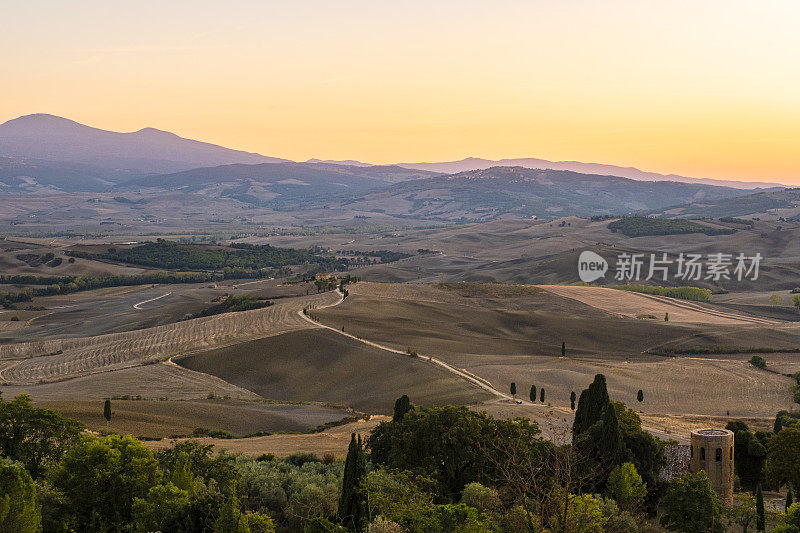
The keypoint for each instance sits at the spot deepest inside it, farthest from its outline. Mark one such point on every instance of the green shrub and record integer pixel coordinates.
(641, 226)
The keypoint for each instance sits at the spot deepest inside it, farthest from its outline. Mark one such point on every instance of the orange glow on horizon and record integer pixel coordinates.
(707, 89)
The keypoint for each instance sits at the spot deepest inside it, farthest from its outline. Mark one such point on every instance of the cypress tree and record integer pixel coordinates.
(610, 445)
(563, 349)
(640, 396)
(533, 394)
(591, 405)
(541, 395)
(513, 389)
(666, 317)
(401, 406)
(353, 511)
(572, 400)
(760, 522)
(107, 410)
(778, 426)
(789, 501)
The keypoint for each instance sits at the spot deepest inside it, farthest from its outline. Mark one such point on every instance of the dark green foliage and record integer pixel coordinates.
(353, 510)
(749, 455)
(760, 521)
(323, 525)
(603, 443)
(591, 405)
(231, 519)
(19, 509)
(691, 506)
(783, 458)
(641, 226)
(789, 500)
(234, 304)
(640, 396)
(301, 458)
(758, 362)
(532, 394)
(35, 437)
(733, 220)
(99, 479)
(200, 461)
(785, 419)
(513, 389)
(162, 504)
(449, 518)
(401, 406)
(695, 294)
(107, 410)
(572, 400)
(541, 395)
(175, 256)
(71, 284)
(610, 444)
(199, 515)
(563, 349)
(449, 445)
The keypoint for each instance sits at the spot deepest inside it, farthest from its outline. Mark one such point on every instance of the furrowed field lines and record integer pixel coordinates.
(53, 360)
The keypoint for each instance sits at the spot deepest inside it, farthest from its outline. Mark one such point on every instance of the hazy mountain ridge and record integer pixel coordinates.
(36, 175)
(783, 203)
(474, 163)
(119, 156)
(278, 185)
(147, 151)
(481, 195)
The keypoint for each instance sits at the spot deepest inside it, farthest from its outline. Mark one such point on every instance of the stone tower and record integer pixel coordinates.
(712, 450)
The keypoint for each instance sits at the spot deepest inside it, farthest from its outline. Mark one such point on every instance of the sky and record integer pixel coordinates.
(705, 89)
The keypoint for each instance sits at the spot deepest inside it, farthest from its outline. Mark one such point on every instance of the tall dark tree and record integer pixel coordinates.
(533, 394)
(591, 406)
(789, 500)
(572, 400)
(401, 406)
(760, 522)
(750, 455)
(541, 395)
(353, 510)
(513, 389)
(107, 410)
(640, 396)
(563, 349)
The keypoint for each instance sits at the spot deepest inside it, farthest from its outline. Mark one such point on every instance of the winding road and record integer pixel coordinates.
(140, 304)
(465, 374)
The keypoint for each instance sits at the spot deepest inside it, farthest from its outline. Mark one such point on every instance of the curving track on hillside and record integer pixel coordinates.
(55, 360)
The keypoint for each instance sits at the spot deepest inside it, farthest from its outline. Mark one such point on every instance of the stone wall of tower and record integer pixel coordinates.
(712, 450)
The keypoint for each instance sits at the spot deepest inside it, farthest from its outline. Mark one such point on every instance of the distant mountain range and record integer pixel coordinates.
(473, 163)
(283, 186)
(481, 195)
(147, 151)
(44, 153)
(108, 156)
(772, 204)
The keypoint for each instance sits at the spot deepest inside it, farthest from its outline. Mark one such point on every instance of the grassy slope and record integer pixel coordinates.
(317, 365)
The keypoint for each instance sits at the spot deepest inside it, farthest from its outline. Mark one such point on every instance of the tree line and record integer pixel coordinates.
(433, 470)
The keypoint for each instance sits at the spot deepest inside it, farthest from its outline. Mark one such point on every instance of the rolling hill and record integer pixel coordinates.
(481, 195)
(765, 204)
(284, 186)
(476, 163)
